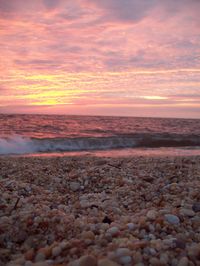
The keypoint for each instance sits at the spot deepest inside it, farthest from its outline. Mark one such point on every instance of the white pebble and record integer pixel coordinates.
(151, 215)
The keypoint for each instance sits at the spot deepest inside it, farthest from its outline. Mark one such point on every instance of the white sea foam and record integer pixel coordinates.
(16, 145)
(24, 145)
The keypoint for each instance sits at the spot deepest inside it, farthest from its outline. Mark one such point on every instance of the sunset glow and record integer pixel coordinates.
(108, 57)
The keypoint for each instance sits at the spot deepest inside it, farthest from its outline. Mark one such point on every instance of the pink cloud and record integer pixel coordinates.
(109, 41)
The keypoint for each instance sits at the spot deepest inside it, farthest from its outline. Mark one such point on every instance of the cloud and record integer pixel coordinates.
(109, 51)
(17, 7)
(136, 10)
(125, 10)
(40, 64)
(7, 6)
(51, 4)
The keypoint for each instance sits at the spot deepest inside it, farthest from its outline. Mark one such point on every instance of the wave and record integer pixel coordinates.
(24, 145)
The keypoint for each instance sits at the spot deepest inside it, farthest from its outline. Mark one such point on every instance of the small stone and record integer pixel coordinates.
(139, 244)
(40, 257)
(151, 215)
(170, 242)
(174, 262)
(28, 263)
(131, 226)
(172, 219)
(84, 204)
(107, 262)
(64, 244)
(87, 260)
(155, 261)
(187, 212)
(122, 252)
(125, 259)
(74, 186)
(183, 261)
(56, 251)
(195, 222)
(180, 243)
(194, 251)
(196, 207)
(164, 258)
(17, 262)
(29, 255)
(42, 263)
(46, 251)
(113, 231)
(88, 235)
(73, 263)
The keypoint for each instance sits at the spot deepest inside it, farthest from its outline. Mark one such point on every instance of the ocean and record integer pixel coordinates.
(74, 135)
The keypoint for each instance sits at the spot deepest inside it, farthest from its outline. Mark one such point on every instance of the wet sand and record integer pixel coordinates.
(91, 211)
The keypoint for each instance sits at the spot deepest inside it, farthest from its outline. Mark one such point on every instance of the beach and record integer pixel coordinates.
(87, 211)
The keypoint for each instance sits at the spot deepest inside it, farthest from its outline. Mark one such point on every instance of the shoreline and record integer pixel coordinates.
(117, 153)
(137, 210)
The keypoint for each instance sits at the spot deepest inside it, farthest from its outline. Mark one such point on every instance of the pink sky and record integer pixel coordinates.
(105, 57)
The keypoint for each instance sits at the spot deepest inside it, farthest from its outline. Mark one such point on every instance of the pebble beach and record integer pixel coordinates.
(90, 211)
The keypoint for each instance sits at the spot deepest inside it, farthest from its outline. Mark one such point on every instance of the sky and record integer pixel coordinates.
(100, 57)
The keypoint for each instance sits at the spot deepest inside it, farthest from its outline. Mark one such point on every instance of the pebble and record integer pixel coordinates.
(28, 263)
(152, 214)
(154, 261)
(87, 260)
(40, 257)
(73, 263)
(112, 224)
(84, 204)
(194, 251)
(113, 231)
(46, 251)
(125, 259)
(131, 226)
(196, 207)
(56, 251)
(164, 258)
(122, 252)
(74, 186)
(183, 261)
(107, 262)
(29, 255)
(187, 212)
(88, 235)
(172, 219)
(43, 263)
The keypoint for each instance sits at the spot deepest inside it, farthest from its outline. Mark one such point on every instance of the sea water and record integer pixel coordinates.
(65, 135)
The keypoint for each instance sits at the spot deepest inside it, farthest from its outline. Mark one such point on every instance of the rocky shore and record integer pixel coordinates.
(88, 211)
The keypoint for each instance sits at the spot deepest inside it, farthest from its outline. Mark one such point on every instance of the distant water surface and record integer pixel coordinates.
(33, 134)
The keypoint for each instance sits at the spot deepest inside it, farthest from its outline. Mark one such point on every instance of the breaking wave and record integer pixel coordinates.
(24, 145)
